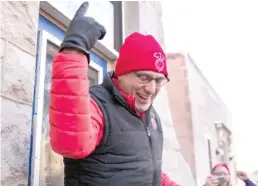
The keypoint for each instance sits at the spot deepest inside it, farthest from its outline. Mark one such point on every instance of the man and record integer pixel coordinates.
(109, 135)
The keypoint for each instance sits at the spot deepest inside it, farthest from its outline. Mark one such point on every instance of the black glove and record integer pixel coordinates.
(83, 32)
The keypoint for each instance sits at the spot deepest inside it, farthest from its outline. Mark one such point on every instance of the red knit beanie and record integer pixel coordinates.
(221, 165)
(141, 52)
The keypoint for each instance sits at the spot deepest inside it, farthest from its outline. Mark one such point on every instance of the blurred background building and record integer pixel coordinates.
(201, 120)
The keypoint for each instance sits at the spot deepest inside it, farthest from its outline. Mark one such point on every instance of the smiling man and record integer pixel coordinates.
(110, 134)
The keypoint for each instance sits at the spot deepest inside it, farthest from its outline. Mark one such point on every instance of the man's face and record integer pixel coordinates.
(143, 85)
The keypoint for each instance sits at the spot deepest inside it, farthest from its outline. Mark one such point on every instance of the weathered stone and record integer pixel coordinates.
(15, 137)
(19, 23)
(18, 69)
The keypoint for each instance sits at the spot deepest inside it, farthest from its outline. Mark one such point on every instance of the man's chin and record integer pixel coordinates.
(142, 108)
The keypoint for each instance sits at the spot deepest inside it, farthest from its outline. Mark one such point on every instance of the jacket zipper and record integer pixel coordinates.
(152, 154)
(148, 135)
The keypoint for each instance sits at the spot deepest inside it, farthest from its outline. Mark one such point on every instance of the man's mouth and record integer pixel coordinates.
(144, 98)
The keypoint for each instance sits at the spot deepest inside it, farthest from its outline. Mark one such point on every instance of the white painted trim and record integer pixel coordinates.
(51, 38)
(107, 51)
(39, 102)
(44, 37)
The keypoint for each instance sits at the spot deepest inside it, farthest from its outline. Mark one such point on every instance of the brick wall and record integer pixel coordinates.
(180, 107)
(18, 50)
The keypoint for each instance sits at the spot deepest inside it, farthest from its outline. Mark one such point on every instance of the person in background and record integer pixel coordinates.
(109, 134)
(220, 176)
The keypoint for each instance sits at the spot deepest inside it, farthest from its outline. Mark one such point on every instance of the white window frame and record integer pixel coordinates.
(44, 37)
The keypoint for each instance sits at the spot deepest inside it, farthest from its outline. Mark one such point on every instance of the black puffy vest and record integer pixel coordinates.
(131, 150)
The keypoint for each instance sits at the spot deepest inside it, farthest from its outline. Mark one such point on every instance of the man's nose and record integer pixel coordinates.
(151, 87)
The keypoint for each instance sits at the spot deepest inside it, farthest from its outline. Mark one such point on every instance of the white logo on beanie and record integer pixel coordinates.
(159, 62)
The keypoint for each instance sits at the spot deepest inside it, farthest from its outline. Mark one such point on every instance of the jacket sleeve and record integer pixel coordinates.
(249, 183)
(166, 181)
(76, 121)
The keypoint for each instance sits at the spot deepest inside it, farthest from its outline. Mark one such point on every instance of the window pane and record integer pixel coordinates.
(51, 164)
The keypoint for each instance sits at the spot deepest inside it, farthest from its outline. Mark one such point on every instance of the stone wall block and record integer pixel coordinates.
(18, 70)
(19, 23)
(15, 130)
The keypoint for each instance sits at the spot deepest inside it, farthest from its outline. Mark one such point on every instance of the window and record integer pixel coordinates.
(51, 164)
(47, 166)
(118, 24)
(51, 171)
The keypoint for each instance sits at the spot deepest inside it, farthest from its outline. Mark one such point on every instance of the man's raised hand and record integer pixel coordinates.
(83, 31)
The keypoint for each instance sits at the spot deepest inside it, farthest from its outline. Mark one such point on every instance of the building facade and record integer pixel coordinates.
(201, 120)
(31, 33)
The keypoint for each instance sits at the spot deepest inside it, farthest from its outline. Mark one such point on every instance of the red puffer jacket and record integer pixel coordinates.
(76, 121)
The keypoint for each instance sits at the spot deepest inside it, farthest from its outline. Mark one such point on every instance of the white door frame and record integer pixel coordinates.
(44, 37)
